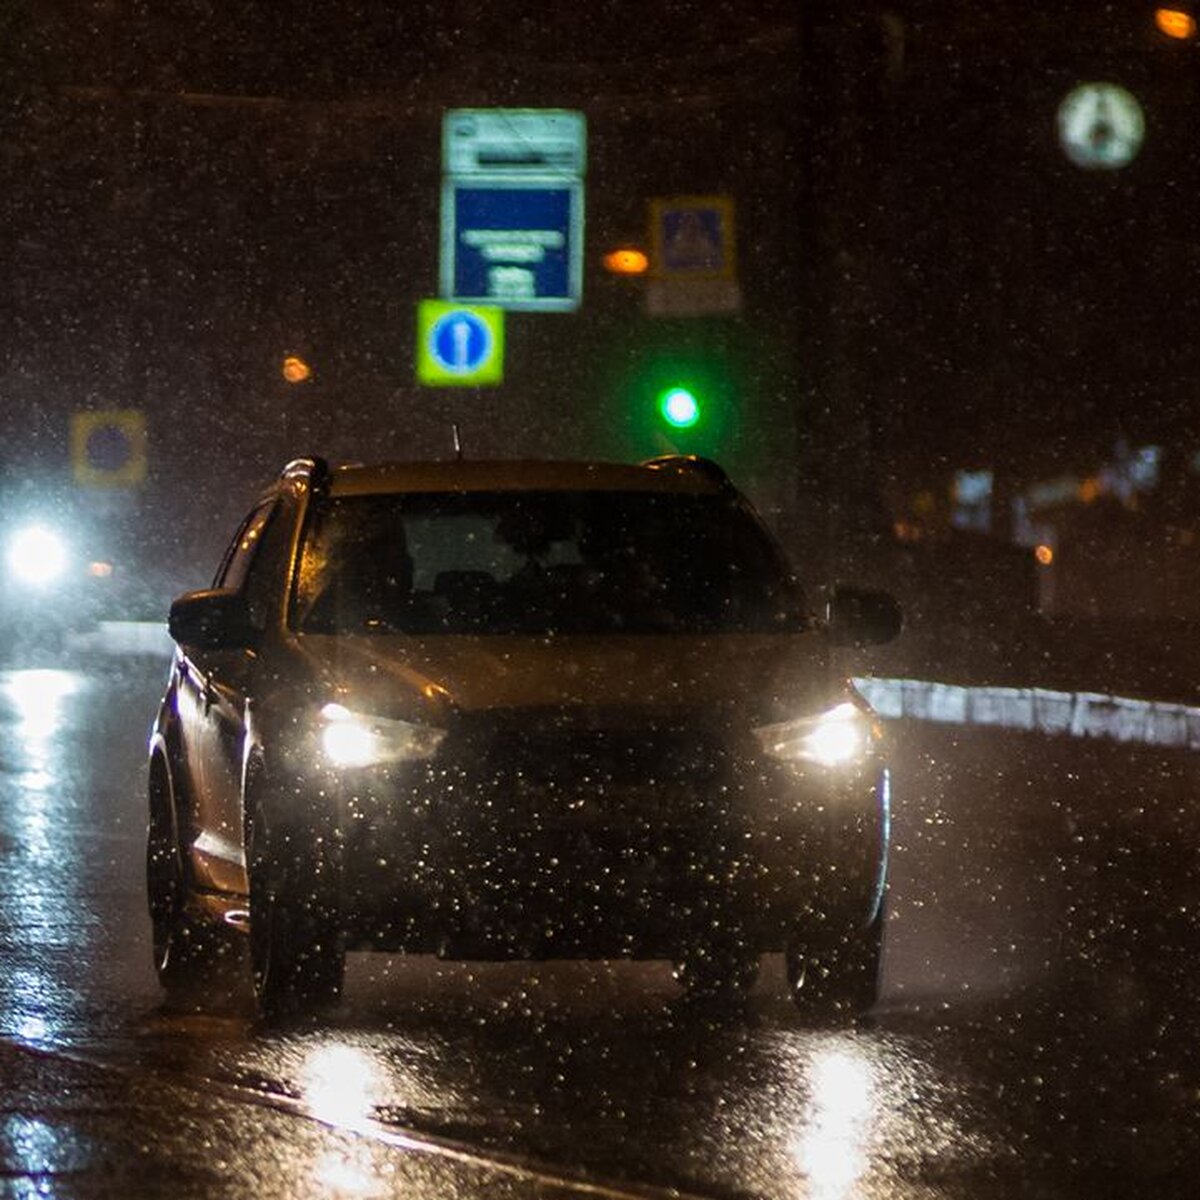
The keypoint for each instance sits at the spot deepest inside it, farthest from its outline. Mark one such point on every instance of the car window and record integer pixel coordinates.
(236, 563)
(535, 562)
(254, 561)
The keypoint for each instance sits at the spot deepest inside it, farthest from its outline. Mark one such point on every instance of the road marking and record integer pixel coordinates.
(397, 1137)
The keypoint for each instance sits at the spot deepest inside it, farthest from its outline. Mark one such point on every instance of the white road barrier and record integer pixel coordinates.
(126, 638)
(1036, 710)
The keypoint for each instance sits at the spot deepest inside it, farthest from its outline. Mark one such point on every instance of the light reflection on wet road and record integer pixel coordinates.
(1016, 1052)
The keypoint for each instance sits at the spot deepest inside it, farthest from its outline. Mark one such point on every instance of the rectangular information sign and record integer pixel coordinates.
(512, 208)
(515, 244)
(514, 141)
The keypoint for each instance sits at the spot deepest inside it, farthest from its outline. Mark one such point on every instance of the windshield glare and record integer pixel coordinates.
(539, 562)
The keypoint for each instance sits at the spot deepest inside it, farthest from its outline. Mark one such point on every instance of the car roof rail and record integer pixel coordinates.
(313, 468)
(706, 468)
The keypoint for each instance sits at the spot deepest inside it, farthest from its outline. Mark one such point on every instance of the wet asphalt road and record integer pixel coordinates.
(1038, 1034)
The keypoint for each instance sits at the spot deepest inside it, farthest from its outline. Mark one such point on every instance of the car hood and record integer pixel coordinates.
(769, 673)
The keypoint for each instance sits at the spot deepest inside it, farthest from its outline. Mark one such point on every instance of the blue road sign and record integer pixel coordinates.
(692, 237)
(513, 244)
(460, 341)
(459, 346)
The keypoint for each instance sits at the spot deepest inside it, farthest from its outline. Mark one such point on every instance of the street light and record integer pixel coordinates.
(626, 261)
(1175, 23)
(295, 370)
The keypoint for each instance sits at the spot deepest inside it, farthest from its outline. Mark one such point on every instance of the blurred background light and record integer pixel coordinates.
(295, 369)
(37, 555)
(626, 261)
(679, 407)
(1175, 23)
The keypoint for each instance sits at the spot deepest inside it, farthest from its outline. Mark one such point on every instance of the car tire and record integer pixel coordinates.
(717, 971)
(191, 955)
(297, 948)
(836, 976)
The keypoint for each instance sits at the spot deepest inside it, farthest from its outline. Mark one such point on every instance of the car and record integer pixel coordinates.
(68, 568)
(516, 710)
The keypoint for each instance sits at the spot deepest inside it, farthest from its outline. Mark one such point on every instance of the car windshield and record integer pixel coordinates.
(539, 562)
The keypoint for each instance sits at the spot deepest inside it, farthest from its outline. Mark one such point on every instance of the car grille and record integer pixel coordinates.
(559, 769)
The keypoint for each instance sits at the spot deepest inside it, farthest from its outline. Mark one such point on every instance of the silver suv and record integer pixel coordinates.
(515, 710)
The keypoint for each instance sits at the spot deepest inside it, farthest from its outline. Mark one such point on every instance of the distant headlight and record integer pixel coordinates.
(37, 555)
(352, 739)
(836, 738)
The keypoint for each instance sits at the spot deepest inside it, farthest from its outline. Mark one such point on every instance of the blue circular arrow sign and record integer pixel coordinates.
(460, 341)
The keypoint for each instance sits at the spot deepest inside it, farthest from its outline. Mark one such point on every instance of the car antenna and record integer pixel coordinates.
(457, 441)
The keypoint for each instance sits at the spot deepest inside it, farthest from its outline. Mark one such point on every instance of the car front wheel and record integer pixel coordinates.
(297, 950)
(191, 955)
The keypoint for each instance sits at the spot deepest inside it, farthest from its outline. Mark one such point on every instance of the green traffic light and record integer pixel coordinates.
(679, 407)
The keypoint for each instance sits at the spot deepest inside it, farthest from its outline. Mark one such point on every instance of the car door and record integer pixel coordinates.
(214, 687)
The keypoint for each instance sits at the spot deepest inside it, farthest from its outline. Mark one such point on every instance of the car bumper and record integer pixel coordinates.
(471, 872)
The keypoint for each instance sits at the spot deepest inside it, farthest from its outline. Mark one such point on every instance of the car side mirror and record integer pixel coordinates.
(862, 617)
(212, 619)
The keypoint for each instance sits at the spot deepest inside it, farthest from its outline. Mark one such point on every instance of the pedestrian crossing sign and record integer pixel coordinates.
(692, 237)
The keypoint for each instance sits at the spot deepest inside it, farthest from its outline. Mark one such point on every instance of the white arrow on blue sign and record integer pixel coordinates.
(458, 344)
(460, 341)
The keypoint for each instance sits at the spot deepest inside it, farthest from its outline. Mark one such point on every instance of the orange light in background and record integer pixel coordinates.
(295, 369)
(1089, 490)
(1044, 554)
(1175, 23)
(626, 261)
(100, 570)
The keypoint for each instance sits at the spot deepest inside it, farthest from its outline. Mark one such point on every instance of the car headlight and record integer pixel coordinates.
(353, 739)
(837, 737)
(37, 555)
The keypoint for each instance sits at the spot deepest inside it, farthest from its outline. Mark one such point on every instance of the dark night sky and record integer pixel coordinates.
(1073, 290)
(915, 250)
